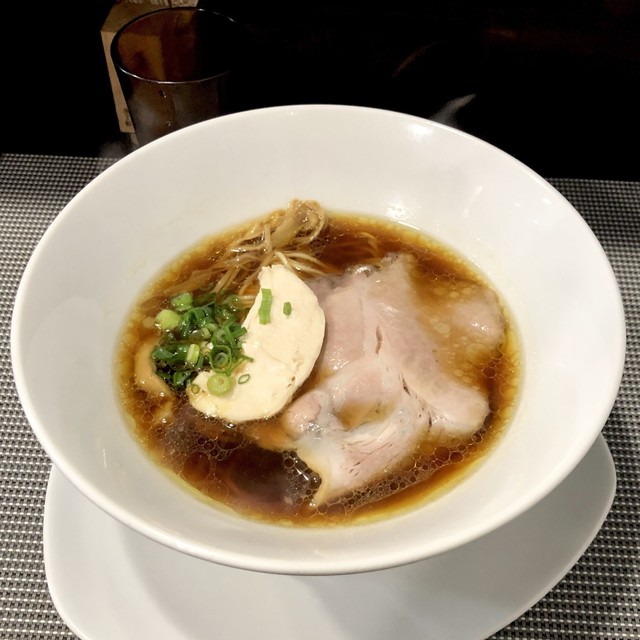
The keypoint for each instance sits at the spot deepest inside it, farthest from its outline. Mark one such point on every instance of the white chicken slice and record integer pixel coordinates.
(283, 351)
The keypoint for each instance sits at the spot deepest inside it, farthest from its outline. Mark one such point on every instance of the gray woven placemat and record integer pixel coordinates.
(599, 598)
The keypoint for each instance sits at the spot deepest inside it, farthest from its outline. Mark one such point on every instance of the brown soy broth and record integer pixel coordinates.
(226, 464)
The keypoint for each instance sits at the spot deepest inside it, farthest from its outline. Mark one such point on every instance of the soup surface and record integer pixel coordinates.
(399, 376)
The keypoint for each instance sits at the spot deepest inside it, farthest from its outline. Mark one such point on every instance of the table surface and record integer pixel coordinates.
(599, 597)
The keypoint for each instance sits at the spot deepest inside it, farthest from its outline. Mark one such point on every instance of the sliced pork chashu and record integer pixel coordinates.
(390, 370)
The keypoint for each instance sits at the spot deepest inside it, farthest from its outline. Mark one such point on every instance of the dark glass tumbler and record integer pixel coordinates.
(174, 66)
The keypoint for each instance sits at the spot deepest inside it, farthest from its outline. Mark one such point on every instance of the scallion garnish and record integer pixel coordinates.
(193, 352)
(219, 384)
(200, 332)
(286, 308)
(221, 359)
(167, 319)
(233, 302)
(182, 301)
(264, 311)
(244, 378)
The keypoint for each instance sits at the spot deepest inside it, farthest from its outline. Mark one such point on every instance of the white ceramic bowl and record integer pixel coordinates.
(117, 233)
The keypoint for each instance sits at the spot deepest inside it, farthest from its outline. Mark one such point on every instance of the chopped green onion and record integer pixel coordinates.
(182, 301)
(219, 384)
(201, 332)
(238, 331)
(220, 360)
(179, 378)
(192, 354)
(163, 354)
(233, 302)
(167, 319)
(211, 327)
(195, 389)
(219, 336)
(286, 308)
(244, 378)
(264, 311)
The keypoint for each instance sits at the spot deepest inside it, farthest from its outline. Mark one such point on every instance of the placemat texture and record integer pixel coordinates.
(599, 598)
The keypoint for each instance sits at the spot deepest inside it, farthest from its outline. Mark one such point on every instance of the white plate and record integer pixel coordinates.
(108, 581)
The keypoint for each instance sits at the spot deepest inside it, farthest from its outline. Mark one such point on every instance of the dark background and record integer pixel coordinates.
(553, 83)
